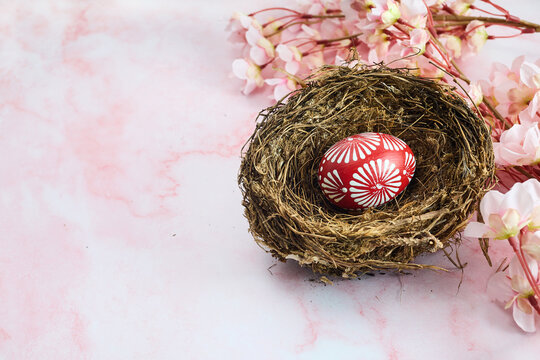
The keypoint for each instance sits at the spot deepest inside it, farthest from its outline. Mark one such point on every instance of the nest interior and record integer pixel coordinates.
(288, 214)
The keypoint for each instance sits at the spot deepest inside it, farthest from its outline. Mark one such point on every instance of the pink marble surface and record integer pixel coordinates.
(122, 234)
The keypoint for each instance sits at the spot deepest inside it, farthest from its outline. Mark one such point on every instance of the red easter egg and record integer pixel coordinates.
(366, 170)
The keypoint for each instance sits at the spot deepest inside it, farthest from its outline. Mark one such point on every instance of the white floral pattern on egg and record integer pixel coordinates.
(366, 170)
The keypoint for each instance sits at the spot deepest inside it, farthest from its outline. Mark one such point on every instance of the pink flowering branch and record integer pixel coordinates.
(281, 50)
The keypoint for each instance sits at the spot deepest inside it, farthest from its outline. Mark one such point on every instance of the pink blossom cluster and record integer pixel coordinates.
(280, 50)
(280, 46)
(514, 217)
(516, 91)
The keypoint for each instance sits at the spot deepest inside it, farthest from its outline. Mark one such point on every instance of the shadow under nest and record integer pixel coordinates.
(288, 214)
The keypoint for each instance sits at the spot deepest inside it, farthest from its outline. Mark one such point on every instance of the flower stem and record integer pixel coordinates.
(274, 8)
(501, 9)
(534, 303)
(521, 170)
(472, 7)
(349, 37)
(333, 16)
(516, 246)
(507, 124)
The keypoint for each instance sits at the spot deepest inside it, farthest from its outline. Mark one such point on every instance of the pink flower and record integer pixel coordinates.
(461, 7)
(391, 14)
(520, 99)
(506, 214)
(519, 145)
(516, 90)
(238, 25)
(476, 36)
(528, 95)
(262, 49)
(378, 44)
(452, 44)
(358, 8)
(247, 70)
(475, 92)
(501, 80)
(426, 69)
(515, 291)
(499, 226)
(385, 12)
(291, 56)
(282, 86)
(417, 43)
(414, 12)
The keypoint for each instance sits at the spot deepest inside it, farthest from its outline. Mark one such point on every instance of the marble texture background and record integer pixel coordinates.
(122, 234)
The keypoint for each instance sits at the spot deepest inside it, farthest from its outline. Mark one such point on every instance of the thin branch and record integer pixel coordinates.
(494, 20)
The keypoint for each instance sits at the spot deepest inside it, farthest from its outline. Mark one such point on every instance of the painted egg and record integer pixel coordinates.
(366, 170)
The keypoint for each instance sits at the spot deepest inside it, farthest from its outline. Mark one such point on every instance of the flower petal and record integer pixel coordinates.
(524, 305)
(524, 320)
(534, 105)
(274, 81)
(311, 32)
(499, 154)
(528, 74)
(510, 302)
(516, 64)
(490, 203)
(496, 225)
(531, 139)
(391, 15)
(535, 218)
(267, 46)
(533, 265)
(419, 37)
(532, 187)
(284, 53)
(240, 67)
(252, 36)
(245, 20)
(511, 219)
(292, 67)
(249, 87)
(476, 229)
(530, 243)
(280, 92)
(512, 156)
(258, 55)
(475, 92)
(520, 283)
(522, 197)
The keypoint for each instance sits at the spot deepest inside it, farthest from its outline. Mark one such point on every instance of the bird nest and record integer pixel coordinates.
(287, 212)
